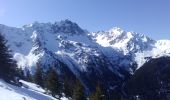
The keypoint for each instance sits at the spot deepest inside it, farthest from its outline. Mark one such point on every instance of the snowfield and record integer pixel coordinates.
(29, 91)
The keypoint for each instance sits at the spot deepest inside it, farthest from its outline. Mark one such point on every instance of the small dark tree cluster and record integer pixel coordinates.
(68, 88)
(48, 79)
(7, 64)
(20, 73)
(79, 91)
(52, 82)
(97, 95)
(38, 76)
(28, 76)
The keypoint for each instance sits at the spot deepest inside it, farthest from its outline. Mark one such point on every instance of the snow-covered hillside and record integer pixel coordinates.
(102, 56)
(28, 91)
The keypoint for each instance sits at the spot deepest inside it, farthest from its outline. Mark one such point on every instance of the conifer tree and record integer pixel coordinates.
(97, 95)
(20, 73)
(7, 64)
(68, 88)
(52, 82)
(79, 91)
(28, 76)
(38, 76)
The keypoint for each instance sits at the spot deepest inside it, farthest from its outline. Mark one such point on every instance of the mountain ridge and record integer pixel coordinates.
(104, 56)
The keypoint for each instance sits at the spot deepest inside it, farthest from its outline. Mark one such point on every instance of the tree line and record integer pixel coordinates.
(49, 80)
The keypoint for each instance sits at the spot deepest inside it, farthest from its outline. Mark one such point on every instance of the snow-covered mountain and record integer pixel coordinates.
(137, 45)
(104, 56)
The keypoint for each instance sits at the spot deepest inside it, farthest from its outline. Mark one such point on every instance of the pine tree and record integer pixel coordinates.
(38, 76)
(20, 73)
(79, 91)
(52, 82)
(28, 76)
(97, 95)
(7, 64)
(68, 88)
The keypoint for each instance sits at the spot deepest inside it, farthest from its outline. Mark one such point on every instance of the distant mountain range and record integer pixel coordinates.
(109, 57)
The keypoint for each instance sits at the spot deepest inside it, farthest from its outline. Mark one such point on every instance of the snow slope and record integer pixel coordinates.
(28, 91)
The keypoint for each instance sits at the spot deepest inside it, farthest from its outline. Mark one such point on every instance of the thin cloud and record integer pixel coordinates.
(2, 12)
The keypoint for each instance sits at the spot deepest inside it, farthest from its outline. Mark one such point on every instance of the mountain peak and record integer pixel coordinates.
(116, 29)
(124, 41)
(67, 26)
(67, 21)
(63, 26)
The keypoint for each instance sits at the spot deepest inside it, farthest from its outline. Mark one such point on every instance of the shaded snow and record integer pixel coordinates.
(30, 91)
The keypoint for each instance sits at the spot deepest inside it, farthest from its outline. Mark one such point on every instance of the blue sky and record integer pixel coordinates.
(151, 17)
